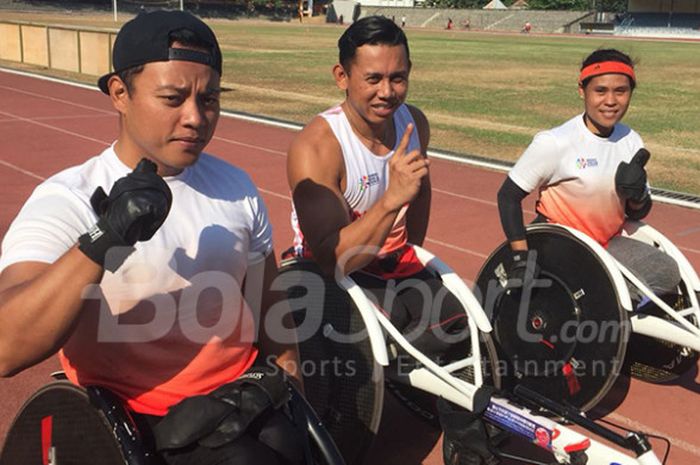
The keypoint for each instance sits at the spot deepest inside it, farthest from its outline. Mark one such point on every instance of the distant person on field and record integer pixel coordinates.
(131, 265)
(589, 174)
(527, 27)
(449, 23)
(403, 21)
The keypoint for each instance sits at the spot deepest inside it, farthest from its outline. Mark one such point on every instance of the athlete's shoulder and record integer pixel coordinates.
(566, 129)
(213, 171)
(417, 114)
(315, 153)
(422, 125)
(82, 180)
(624, 132)
(316, 141)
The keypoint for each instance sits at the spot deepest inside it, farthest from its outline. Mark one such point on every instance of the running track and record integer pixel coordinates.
(47, 126)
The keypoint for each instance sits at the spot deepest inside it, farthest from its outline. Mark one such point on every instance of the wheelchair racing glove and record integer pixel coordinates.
(631, 178)
(133, 211)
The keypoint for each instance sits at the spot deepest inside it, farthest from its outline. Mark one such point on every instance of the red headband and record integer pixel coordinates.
(606, 67)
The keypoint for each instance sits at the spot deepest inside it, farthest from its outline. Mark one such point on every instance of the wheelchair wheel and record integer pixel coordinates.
(568, 342)
(60, 425)
(656, 361)
(424, 404)
(342, 382)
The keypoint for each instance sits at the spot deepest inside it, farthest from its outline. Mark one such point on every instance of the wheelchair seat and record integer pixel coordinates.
(569, 340)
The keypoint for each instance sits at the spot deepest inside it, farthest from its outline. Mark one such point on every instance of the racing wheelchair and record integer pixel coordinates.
(533, 388)
(65, 424)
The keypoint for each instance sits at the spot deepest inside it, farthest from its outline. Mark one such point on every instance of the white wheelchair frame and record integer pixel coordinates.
(562, 441)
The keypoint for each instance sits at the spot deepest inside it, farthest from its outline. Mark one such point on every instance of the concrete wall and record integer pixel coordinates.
(63, 49)
(95, 52)
(80, 50)
(10, 42)
(35, 45)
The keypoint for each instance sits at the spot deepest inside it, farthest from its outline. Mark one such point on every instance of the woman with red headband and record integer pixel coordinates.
(589, 174)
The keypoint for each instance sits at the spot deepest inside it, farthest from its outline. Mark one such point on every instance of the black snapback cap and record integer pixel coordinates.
(146, 38)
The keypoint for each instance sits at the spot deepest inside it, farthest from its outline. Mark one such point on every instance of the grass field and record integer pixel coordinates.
(484, 94)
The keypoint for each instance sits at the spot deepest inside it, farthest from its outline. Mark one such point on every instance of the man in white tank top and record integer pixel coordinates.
(360, 182)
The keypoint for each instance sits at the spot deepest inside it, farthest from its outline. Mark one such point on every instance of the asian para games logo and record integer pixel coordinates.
(583, 163)
(368, 180)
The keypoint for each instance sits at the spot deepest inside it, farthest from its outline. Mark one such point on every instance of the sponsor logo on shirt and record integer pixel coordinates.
(583, 163)
(368, 180)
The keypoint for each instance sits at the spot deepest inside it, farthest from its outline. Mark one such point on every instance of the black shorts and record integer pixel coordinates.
(431, 317)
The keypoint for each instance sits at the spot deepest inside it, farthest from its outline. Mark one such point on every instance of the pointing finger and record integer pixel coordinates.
(403, 144)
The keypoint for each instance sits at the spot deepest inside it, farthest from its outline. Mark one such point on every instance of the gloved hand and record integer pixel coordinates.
(136, 207)
(631, 178)
(523, 269)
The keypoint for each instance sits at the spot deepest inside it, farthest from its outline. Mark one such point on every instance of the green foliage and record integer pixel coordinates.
(559, 4)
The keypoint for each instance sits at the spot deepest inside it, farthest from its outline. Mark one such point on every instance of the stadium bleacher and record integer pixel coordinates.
(660, 25)
(485, 20)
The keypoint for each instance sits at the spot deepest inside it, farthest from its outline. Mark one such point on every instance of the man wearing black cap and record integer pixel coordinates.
(131, 265)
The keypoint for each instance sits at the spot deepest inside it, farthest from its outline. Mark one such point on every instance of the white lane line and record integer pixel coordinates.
(275, 194)
(465, 197)
(687, 232)
(250, 146)
(637, 426)
(55, 128)
(59, 100)
(457, 248)
(55, 118)
(48, 78)
(688, 249)
(21, 170)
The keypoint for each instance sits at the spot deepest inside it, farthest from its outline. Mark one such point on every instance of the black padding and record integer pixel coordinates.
(342, 382)
(80, 433)
(510, 197)
(570, 341)
(220, 417)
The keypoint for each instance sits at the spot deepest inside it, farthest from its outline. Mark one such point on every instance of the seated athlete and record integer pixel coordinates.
(361, 185)
(360, 181)
(589, 174)
(140, 290)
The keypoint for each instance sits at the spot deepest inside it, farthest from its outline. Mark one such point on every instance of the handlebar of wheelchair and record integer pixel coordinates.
(636, 442)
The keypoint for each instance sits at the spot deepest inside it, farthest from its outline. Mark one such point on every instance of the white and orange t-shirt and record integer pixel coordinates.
(574, 171)
(367, 178)
(171, 322)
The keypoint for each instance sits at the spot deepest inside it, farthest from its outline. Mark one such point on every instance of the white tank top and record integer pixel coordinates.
(366, 174)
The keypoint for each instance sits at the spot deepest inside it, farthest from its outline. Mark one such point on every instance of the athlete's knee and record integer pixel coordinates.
(666, 275)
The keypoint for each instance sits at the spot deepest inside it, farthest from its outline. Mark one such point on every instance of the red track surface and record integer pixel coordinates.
(46, 126)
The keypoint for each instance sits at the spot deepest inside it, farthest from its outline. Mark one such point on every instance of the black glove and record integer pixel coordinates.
(136, 207)
(523, 269)
(631, 178)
